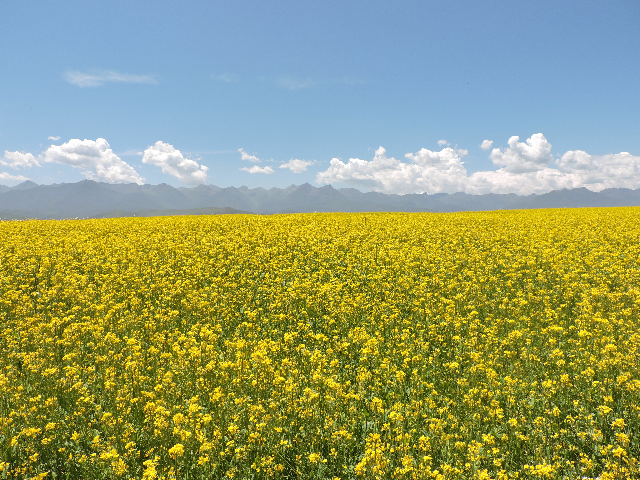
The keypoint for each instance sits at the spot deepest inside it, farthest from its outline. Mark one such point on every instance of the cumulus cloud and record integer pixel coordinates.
(442, 143)
(297, 166)
(597, 172)
(17, 160)
(247, 157)
(95, 159)
(526, 167)
(526, 183)
(99, 78)
(575, 169)
(173, 163)
(257, 169)
(521, 157)
(53, 138)
(7, 177)
(429, 172)
(486, 144)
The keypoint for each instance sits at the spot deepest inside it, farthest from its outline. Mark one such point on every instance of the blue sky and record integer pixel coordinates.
(316, 81)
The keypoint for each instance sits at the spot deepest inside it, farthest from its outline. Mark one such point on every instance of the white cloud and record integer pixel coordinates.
(257, 169)
(442, 143)
(525, 183)
(291, 83)
(7, 177)
(531, 156)
(226, 77)
(247, 157)
(486, 144)
(527, 168)
(429, 172)
(172, 162)
(53, 138)
(297, 166)
(17, 160)
(575, 169)
(597, 172)
(99, 78)
(95, 159)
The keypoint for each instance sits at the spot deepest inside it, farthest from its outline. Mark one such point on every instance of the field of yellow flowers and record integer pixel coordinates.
(322, 346)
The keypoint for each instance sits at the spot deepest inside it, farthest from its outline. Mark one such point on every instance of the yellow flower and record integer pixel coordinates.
(314, 457)
(150, 472)
(390, 339)
(618, 423)
(176, 451)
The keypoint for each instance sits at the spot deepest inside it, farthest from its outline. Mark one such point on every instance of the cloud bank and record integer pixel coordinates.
(525, 168)
(99, 78)
(521, 167)
(95, 159)
(173, 163)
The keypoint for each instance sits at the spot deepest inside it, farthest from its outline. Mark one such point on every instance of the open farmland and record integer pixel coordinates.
(319, 346)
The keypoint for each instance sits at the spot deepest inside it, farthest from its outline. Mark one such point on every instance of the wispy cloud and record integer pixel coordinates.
(53, 138)
(99, 78)
(293, 83)
(248, 157)
(227, 77)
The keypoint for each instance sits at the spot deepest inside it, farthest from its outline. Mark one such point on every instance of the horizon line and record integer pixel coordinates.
(301, 185)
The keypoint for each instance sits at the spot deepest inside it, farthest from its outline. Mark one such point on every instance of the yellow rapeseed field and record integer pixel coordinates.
(322, 346)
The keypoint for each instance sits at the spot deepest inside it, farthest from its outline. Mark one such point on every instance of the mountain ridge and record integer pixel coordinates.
(89, 199)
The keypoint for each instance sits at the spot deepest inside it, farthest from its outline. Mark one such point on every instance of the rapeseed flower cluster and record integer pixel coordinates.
(494, 345)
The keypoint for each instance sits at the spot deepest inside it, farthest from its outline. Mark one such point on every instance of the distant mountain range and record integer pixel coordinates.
(89, 199)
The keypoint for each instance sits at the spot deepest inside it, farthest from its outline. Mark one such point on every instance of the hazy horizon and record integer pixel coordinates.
(294, 185)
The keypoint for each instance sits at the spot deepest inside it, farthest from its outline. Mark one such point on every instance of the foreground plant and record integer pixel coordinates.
(475, 345)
